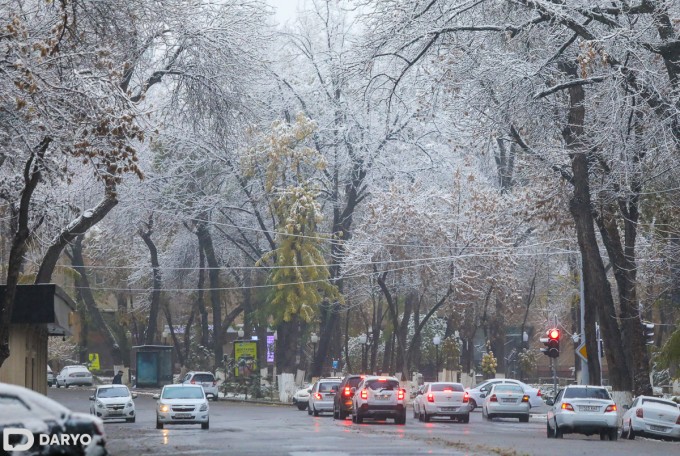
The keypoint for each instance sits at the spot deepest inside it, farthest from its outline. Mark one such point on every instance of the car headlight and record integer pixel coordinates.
(99, 404)
(163, 408)
(204, 408)
(130, 404)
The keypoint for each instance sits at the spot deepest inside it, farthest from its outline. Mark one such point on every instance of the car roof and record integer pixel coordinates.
(199, 372)
(110, 386)
(182, 385)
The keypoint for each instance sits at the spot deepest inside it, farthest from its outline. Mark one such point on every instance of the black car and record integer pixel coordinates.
(342, 404)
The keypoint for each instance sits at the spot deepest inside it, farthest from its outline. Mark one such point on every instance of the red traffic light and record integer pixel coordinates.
(554, 333)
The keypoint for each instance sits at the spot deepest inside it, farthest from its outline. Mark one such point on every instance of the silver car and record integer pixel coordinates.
(182, 404)
(206, 380)
(322, 396)
(651, 416)
(445, 399)
(113, 402)
(74, 376)
(583, 410)
(507, 400)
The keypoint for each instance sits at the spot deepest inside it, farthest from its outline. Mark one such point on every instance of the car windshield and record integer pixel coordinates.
(664, 404)
(508, 389)
(116, 391)
(182, 393)
(328, 386)
(203, 378)
(481, 385)
(586, 393)
(11, 401)
(353, 382)
(446, 387)
(383, 384)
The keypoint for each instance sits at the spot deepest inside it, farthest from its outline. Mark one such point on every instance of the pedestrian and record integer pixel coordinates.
(118, 378)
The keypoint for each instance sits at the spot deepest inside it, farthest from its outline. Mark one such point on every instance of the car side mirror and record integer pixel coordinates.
(550, 402)
(91, 398)
(156, 396)
(134, 395)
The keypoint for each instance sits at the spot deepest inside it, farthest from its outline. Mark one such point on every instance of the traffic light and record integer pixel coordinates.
(552, 343)
(648, 331)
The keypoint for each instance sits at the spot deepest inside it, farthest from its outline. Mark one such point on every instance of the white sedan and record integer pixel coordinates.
(585, 410)
(182, 404)
(113, 402)
(507, 400)
(445, 399)
(651, 416)
(479, 393)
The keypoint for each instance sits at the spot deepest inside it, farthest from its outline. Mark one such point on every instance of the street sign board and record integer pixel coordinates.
(581, 351)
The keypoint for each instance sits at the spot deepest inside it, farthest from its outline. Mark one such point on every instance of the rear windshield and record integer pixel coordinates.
(328, 387)
(203, 377)
(116, 391)
(382, 384)
(508, 389)
(183, 393)
(664, 404)
(353, 382)
(587, 393)
(447, 387)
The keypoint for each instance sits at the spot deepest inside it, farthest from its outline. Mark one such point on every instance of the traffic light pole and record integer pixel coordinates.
(554, 375)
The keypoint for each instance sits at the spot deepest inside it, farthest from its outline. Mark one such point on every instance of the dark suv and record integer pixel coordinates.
(342, 405)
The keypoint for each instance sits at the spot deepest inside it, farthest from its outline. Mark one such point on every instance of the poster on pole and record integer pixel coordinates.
(245, 355)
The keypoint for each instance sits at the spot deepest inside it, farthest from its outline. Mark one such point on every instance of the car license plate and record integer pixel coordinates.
(382, 397)
(449, 409)
(182, 415)
(115, 413)
(509, 400)
(658, 428)
(588, 408)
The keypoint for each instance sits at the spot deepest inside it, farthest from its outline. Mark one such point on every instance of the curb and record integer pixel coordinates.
(254, 401)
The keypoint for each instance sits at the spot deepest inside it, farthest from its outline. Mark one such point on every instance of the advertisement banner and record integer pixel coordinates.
(245, 355)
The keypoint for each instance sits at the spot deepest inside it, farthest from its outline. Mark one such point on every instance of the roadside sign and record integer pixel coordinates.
(581, 351)
(93, 359)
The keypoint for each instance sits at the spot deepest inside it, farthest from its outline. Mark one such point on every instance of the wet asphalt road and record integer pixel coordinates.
(250, 429)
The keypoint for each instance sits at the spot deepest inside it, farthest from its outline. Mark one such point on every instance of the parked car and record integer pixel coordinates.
(50, 376)
(379, 398)
(651, 416)
(301, 397)
(583, 410)
(113, 402)
(40, 414)
(206, 380)
(74, 376)
(445, 399)
(182, 404)
(322, 395)
(479, 392)
(507, 400)
(342, 403)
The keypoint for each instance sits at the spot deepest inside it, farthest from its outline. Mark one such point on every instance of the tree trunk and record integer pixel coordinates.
(82, 284)
(289, 337)
(200, 300)
(599, 301)
(32, 176)
(151, 327)
(205, 239)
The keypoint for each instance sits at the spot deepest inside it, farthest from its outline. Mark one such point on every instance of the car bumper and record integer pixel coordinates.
(446, 410)
(322, 406)
(587, 424)
(85, 381)
(191, 418)
(508, 410)
(106, 414)
(381, 411)
(656, 429)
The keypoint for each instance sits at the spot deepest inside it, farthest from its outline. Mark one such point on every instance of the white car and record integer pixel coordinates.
(182, 404)
(442, 399)
(206, 380)
(113, 402)
(507, 400)
(50, 376)
(651, 416)
(57, 419)
(74, 376)
(379, 398)
(585, 410)
(479, 393)
(301, 397)
(322, 396)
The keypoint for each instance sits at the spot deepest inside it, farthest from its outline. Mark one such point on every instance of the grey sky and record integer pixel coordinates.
(285, 9)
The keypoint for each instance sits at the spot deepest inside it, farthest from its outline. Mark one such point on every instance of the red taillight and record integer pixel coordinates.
(567, 406)
(400, 395)
(430, 397)
(640, 414)
(493, 398)
(611, 408)
(678, 421)
(466, 397)
(539, 393)
(525, 398)
(317, 395)
(347, 392)
(364, 394)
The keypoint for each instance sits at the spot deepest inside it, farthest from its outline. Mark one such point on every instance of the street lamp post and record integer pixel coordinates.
(315, 340)
(241, 333)
(362, 340)
(436, 340)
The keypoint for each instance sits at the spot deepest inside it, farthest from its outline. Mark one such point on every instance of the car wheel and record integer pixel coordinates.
(342, 414)
(489, 417)
(614, 434)
(524, 419)
(466, 418)
(301, 406)
(66, 385)
(604, 434)
(205, 425)
(309, 410)
(473, 405)
(549, 432)
(558, 432)
(631, 433)
(159, 425)
(360, 419)
(401, 419)
(426, 417)
(316, 412)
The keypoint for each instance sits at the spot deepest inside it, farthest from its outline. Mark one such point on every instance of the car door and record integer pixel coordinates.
(61, 378)
(554, 408)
